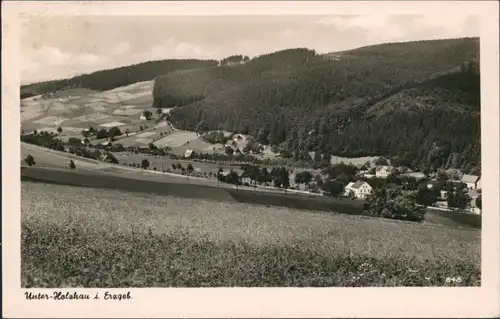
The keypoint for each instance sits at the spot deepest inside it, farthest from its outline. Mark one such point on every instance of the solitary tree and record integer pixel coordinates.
(190, 168)
(281, 178)
(59, 130)
(304, 177)
(144, 164)
(147, 114)
(233, 178)
(114, 131)
(229, 150)
(30, 160)
(479, 202)
(333, 188)
(72, 164)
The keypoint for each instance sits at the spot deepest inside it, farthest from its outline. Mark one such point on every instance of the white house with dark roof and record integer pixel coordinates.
(188, 153)
(360, 189)
(471, 181)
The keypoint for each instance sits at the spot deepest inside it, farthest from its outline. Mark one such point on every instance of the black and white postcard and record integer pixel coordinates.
(151, 149)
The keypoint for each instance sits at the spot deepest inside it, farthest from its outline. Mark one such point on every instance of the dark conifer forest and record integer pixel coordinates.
(417, 103)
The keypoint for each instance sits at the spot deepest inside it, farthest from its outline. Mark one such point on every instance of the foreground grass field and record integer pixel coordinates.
(83, 237)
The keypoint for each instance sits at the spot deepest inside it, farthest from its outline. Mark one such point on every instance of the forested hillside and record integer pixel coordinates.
(110, 79)
(415, 102)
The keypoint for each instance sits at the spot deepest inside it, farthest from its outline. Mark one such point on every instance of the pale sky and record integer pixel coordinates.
(61, 47)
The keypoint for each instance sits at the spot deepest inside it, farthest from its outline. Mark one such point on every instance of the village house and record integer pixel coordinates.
(432, 184)
(360, 189)
(188, 153)
(383, 171)
(246, 180)
(470, 181)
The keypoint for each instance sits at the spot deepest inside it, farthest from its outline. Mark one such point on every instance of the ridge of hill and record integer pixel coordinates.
(109, 79)
(303, 101)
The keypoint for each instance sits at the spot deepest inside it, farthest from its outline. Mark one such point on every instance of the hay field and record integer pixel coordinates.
(83, 237)
(176, 139)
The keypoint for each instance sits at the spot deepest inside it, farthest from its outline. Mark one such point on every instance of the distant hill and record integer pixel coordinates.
(113, 78)
(402, 100)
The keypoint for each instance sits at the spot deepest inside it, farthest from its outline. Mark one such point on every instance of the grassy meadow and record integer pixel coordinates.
(84, 237)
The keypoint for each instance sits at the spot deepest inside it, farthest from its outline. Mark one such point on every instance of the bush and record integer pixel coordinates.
(392, 203)
(145, 164)
(30, 160)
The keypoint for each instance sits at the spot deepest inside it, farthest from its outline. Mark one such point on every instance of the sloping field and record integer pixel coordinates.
(49, 158)
(27, 115)
(176, 139)
(51, 120)
(82, 237)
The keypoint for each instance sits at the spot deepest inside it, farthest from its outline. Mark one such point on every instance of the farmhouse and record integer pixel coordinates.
(443, 194)
(359, 189)
(383, 171)
(470, 181)
(246, 180)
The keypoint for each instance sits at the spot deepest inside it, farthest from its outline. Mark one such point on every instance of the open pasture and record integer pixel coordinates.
(90, 117)
(51, 120)
(146, 134)
(112, 124)
(127, 112)
(153, 132)
(353, 160)
(28, 114)
(84, 237)
(176, 139)
(200, 146)
(141, 102)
